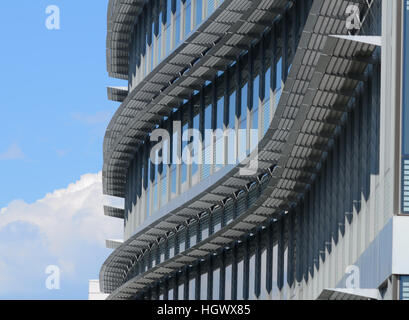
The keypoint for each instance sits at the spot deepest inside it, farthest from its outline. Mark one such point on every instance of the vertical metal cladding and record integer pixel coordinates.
(405, 114)
(301, 207)
(242, 97)
(277, 250)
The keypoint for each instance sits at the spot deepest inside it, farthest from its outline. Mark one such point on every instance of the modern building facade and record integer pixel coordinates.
(260, 149)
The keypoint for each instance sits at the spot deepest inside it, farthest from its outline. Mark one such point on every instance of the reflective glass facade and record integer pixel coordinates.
(200, 230)
(162, 26)
(243, 98)
(292, 248)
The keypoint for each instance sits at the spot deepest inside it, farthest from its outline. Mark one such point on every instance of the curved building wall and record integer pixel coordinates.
(160, 27)
(242, 98)
(292, 249)
(290, 230)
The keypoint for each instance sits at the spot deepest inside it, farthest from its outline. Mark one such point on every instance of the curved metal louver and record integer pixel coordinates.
(325, 73)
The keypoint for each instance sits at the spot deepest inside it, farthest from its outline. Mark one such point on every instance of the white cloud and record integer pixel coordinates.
(67, 227)
(14, 152)
(66, 214)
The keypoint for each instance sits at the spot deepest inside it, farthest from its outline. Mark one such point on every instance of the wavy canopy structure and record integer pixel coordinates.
(321, 77)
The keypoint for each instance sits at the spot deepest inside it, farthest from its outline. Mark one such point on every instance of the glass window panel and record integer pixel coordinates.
(193, 236)
(143, 47)
(278, 96)
(275, 292)
(263, 276)
(208, 159)
(168, 12)
(266, 117)
(180, 290)
(252, 278)
(171, 249)
(229, 281)
(285, 292)
(231, 157)
(278, 81)
(208, 118)
(278, 73)
(168, 26)
(219, 137)
(173, 177)
(232, 110)
(208, 150)
(218, 225)
(267, 88)
(178, 34)
(155, 186)
(254, 118)
(164, 190)
(184, 166)
(148, 203)
(242, 144)
(216, 282)
(160, 37)
(182, 246)
(231, 147)
(210, 7)
(220, 113)
(192, 289)
(148, 190)
(147, 58)
(155, 198)
(199, 11)
(203, 286)
(188, 17)
(404, 288)
(243, 116)
(205, 233)
(240, 275)
(256, 92)
(196, 120)
(205, 228)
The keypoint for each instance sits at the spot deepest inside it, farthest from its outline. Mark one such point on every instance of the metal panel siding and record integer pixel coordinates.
(405, 115)
(317, 208)
(375, 264)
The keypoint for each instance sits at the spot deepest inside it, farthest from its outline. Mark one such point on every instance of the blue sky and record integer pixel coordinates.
(53, 95)
(54, 112)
